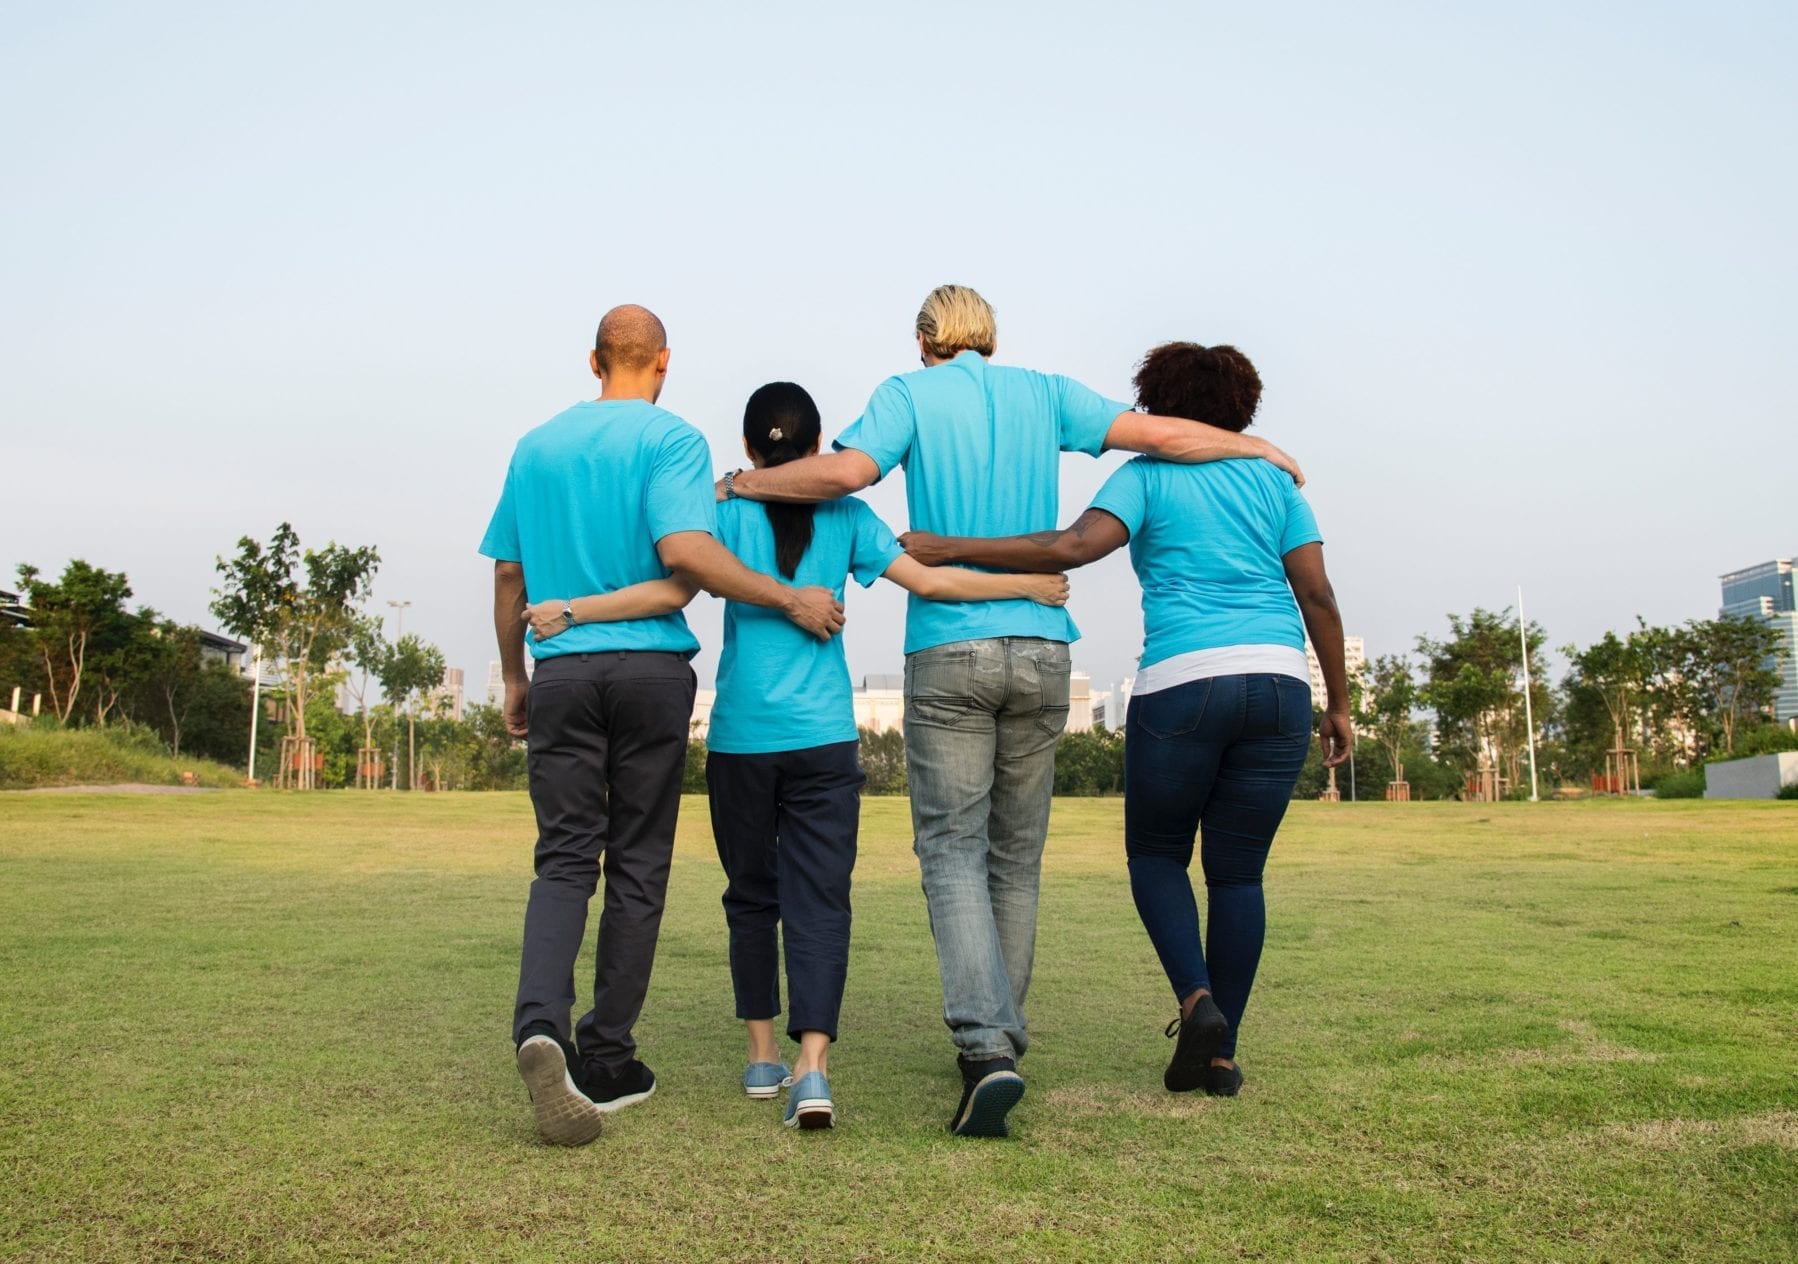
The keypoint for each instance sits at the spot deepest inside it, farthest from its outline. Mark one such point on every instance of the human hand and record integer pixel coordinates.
(1336, 733)
(545, 618)
(516, 709)
(1277, 457)
(926, 547)
(1047, 590)
(817, 610)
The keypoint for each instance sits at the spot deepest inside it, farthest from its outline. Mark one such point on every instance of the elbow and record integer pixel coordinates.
(509, 572)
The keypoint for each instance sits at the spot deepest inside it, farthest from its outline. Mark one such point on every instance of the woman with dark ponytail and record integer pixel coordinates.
(783, 771)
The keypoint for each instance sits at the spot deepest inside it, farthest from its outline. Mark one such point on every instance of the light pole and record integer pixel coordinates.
(399, 630)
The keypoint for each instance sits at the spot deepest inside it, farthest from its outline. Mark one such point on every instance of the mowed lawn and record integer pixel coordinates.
(275, 1027)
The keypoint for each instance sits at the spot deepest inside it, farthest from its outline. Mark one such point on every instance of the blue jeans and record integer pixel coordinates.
(1217, 758)
(981, 721)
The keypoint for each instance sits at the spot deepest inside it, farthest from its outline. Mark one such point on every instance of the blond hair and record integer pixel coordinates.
(955, 318)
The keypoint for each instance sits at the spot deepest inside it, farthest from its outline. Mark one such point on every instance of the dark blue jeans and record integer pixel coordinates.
(1218, 759)
(786, 825)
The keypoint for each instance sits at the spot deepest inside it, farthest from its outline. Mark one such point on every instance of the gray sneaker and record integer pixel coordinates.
(565, 1115)
(989, 1089)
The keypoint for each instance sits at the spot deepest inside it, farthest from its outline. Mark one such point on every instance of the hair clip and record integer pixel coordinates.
(777, 434)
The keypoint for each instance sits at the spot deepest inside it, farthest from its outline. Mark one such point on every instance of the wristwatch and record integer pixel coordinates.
(730, 484)
(568, 613)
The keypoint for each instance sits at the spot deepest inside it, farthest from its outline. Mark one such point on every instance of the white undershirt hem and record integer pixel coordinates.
(1225, 660)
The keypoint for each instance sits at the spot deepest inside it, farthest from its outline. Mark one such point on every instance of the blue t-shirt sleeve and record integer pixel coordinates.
(1083, 416)
(1301, 523)
(679, 496)
(1125, 495)
(501, 541)
(886, 427)
(872, 545)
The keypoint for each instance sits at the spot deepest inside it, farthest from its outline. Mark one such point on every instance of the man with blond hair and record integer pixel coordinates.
(607, 494)
(986, 683)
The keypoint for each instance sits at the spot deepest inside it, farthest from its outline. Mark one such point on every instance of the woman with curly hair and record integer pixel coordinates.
(1232, 572)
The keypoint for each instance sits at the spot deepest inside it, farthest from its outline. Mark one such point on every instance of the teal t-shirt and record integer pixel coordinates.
(980, 444)
(1207, 542)
(588, 494)
(781, 688)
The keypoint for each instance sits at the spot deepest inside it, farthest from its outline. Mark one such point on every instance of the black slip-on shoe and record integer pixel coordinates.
(1200, 1033)
(1221, 1081)
(565, 1115)
(612, 1091)
(990, 1088)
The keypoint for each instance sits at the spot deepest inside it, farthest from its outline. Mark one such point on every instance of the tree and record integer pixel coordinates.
(411, 667)
(1386, 706)
(1475, 687)
(1727, 661)
(1615, 674)
(76, 621)
(367, 651)
(1090, 762)
(883, 761)
(299, 605)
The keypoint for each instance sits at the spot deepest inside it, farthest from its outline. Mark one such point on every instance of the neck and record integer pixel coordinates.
(643, 386)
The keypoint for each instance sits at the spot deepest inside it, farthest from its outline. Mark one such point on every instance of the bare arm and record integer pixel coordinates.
(951, 583)
(828, 476)
(1191, 442)
(1323, 621)
(697, 558)
(1093, 535)
(637, 601)
(508, 626)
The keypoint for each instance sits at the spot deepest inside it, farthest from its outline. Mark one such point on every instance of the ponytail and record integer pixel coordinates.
(781, 424)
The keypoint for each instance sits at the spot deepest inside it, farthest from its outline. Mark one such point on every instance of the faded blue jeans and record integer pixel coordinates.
(981, 721)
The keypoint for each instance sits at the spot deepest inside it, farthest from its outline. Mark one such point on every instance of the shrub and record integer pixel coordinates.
(1680, 785)
(1789, 792)
(45, 755)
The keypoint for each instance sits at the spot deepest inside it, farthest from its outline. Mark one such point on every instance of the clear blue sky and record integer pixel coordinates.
(1519, 279)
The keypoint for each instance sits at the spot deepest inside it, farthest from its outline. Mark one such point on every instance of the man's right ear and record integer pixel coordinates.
(593, 363)
(662, 361)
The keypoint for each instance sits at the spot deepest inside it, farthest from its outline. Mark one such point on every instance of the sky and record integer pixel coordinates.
(1518, 279)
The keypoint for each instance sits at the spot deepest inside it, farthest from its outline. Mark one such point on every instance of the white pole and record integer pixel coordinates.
(1529, 712)
(255, 702)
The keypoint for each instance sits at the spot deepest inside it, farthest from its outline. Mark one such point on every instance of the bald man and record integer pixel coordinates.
(610, 493)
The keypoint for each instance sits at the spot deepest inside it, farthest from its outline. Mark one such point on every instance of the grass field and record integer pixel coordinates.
(264, 1027)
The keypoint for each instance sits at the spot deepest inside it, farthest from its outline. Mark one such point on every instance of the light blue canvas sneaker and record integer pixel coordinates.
(766, 1079)
(808, 1105)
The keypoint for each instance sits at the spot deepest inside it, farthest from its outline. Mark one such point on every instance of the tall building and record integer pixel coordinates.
(1765, 592)
(496, 680)
(446, 699)
(1354, 654)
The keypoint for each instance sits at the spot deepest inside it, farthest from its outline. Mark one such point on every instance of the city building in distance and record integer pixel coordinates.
(880, 704)
(1765, 592)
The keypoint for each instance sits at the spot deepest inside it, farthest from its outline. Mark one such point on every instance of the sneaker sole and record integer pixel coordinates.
(629, 1099)
(763, 1093)
(565, 1115)
(812, 1112)
(990, 1103)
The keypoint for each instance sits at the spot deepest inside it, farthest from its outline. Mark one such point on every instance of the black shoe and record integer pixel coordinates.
(1222, 1081)
(614, 1091)
(990, 1088)
(565, 1115)
(1200, 1032)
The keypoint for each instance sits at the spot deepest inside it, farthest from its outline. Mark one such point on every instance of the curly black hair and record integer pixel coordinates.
(1217, 385)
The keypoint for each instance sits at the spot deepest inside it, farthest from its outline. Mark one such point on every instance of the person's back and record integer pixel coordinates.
(1209, 547)
(584, 513)
(778, 688)
(980, 444)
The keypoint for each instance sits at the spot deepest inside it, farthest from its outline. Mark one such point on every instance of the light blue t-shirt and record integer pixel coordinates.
(779, 687)
(588, 494)
(1207, 542)
(980, 444)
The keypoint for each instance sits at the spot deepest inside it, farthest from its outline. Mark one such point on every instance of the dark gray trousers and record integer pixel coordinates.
(608, 745)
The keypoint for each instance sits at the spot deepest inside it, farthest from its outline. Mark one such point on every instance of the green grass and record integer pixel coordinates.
(268, 1027)
(42, 756)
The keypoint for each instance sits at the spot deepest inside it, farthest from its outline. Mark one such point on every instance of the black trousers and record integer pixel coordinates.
(608, 745)
(786, 826)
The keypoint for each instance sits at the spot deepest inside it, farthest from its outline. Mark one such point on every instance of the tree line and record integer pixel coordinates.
(1453, 707)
